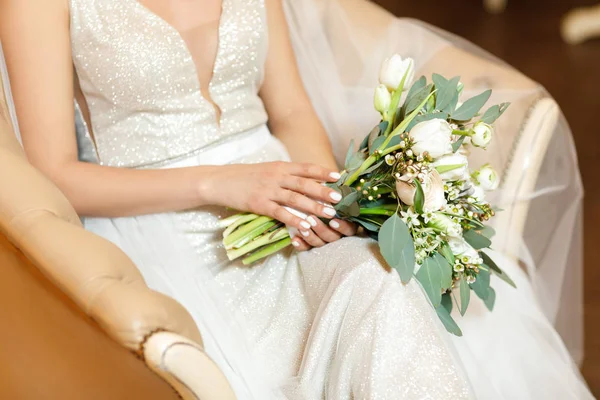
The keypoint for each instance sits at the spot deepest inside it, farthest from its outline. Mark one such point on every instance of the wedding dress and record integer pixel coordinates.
(330, 323)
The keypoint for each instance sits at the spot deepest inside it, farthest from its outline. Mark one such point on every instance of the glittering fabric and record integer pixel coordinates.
(141, 84)
(332, 323)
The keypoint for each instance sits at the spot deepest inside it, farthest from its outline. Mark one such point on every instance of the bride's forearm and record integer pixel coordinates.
(305, 139)
(102, 191)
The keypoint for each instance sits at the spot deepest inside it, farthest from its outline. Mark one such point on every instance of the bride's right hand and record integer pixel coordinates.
(266, 188)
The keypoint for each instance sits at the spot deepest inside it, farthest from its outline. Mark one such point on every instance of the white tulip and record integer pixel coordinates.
(482, 134)
(457, 161)
(433, 137)
(445, 224)
(487, 178)
(462, 249)
(393, 70)
(383, 99)
(433, 190)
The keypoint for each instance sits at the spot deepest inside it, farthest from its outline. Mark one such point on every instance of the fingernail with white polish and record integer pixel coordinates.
(312, 221)
(295, 243)
(305, 225)
(304, 233)
(335, 175)
(335, 196)
(334, 224)
(329, 211)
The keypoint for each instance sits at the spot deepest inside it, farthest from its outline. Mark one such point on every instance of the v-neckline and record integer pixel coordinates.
(211, 102)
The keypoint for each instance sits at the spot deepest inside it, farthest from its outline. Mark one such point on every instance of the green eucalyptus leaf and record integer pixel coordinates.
(426, 117)
(418, 85)
(415, 102)
(373, 168)
(481, 286)
(367, 224)
(376, 144)
(447, 253)
(488, 262)
(434, 275)
(451, 107)
(419, 199)
(356, 161)
(456, 145)
(447, 302)
(471, 107)
(397, 247)
(439, 81)
(487, 231)
(494, 112)
(465, 295)
(349, 154)
(490, 300)
(476, 240)
(447, 93)
(449, 323)
(365, 142)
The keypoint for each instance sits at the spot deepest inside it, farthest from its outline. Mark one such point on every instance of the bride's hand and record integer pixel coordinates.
(266, 188)
(320, 234)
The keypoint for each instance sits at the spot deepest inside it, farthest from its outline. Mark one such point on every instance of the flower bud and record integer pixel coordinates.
(457, 162)
(487, 178)
(445, 224)
(393, 70)
(433, 137)
(482, 134)
(383, 99)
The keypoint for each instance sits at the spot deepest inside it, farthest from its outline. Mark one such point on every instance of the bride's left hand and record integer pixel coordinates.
(321, 234)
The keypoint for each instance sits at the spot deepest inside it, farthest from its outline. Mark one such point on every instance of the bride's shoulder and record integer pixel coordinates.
(32, 10)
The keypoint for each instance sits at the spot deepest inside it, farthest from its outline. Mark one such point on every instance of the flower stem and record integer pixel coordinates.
(267, 251)
(458, 132)
(265, 239)
(250, 229)
(233, 222)
(376, 211)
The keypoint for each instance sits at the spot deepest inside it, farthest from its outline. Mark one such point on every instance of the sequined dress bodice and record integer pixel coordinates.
(141, 84)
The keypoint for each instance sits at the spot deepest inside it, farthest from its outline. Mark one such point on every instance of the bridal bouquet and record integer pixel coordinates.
(410, 187)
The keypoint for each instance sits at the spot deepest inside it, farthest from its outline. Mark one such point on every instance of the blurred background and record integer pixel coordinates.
(527, 34)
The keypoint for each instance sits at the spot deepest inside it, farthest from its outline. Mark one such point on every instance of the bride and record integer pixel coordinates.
(189, 109)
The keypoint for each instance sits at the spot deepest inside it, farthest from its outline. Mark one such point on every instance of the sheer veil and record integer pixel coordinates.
(339, 46)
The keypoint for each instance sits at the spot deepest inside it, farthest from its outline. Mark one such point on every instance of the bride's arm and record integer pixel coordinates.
(36, 40)
(292, 118)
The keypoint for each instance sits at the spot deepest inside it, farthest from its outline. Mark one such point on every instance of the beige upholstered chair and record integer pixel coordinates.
(41, 224)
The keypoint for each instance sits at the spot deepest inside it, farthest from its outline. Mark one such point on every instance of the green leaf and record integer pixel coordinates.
(447, 168)
(376, 144)
(349, 154)
(415, 102)
(465, 295)
(476, 240)
(491, 299)
(372, 168)
(448, 321)
(355, 161)
(418, 85)
(471, 107)
(376, 131)
(368, 225)
(419, 199)
(397, 247)
(447, 93)
(426, 117)
(447, 302)
(409, 118)
(446, 251)
(434, 275)
(487, 231)
(451, 107)
(439, 81)
(487, 261)
(481, 286)
(456, 145)
(494, 112)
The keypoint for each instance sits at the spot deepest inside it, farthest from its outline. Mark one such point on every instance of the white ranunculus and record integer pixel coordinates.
(445, 224)
(457, 161)
(433, 137)
(487, 178)
(393, 70)
(433, 190)
(482, 134)
(478, 193)
(383, 99)
(461, 248)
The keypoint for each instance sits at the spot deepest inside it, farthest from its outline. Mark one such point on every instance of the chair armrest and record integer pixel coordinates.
(184, 364)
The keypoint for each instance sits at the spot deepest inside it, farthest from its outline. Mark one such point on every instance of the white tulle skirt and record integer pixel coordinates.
(334, 322)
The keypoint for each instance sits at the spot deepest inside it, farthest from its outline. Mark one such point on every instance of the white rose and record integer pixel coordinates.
(432, 136)
(383, 99)
(487, 178)
(482, 134)
(461, 248)
(445, 224)
(393, 70)
(457, 161)
(433, 190)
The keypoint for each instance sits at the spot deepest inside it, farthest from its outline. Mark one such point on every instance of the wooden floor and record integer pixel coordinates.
(527, 36)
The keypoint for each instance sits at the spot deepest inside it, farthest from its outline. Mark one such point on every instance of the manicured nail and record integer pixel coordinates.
(305, 225)
(295, 243)
(312, 221)
(335, 196)
(335, 175)
(330, 211)
(334, 224)
(304, 233)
